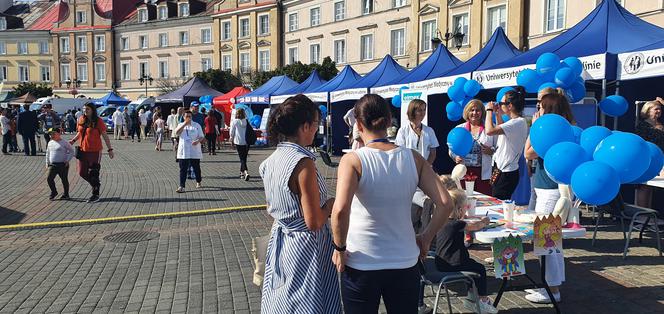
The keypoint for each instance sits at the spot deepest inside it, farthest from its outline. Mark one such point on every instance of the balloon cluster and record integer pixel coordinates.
(323, 111)
(460, 93)
(594, 161)
(255, 121)
(552, 72)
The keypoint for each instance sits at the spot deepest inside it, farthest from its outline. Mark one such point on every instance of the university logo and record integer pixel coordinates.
(634, 63)
(479, 78)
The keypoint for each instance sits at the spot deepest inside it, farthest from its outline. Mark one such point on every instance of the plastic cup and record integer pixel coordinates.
(508, 210)
(470, 188)
(471, 203)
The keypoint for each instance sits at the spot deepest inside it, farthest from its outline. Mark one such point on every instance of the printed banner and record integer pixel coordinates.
(508, 257)
(439, 85)
(348, 94)
(641, 64)
(279, 99)
(317, 97)
(387, 91)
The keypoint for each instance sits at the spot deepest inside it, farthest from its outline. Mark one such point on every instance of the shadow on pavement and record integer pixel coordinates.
(10, 217)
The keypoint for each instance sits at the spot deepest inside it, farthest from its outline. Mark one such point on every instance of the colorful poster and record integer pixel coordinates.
(508, 257)
(547, 236)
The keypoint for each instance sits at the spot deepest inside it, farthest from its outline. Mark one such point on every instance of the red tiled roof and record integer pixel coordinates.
(57, 13)
(118, 10)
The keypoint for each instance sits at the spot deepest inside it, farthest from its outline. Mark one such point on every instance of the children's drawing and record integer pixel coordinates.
(547, 236)
(508, 257)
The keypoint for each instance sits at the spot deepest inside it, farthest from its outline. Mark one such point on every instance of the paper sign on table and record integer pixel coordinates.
(547, 236)
(508, 257)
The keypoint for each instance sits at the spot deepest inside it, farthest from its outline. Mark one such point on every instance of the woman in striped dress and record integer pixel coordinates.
(299, 274)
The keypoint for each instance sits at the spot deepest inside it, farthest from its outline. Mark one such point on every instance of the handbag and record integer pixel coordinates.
(250, 135)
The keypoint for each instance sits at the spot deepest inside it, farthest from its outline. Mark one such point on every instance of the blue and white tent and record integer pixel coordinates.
(641, 63)
(261, 95)
(111, 99)
(383, 73)
(345, 79)
(312, 82)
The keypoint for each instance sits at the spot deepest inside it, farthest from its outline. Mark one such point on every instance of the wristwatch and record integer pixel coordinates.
(336, 248)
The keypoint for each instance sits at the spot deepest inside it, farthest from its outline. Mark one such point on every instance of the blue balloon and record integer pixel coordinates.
(575, 64)
(255, 121)
(460, 141)
(396, 101)
(656, 164)
(577, 91)
(577, 134)
(454, 109)
(565, 77)
(247, 110)
(529, 79)
(472, 88)
(627, 153)
(592, 136)
(547, 65)
(595, 183)
(502, 92)
(547, 85)
(460, 81)
(205, 99)
(454, 118)
(505, 118)
(548, 130)
(614, 105)
(561, 160)
(456, 93)
(323, 110)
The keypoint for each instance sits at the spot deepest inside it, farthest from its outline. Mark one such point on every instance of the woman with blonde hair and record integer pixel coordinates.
(651, 129)
(478, 162)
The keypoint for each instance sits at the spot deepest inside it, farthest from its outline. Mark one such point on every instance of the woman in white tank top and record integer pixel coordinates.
(376, 248)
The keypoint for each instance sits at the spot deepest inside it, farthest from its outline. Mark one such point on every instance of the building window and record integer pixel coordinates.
(184, 38)
(367, 7)
(183, 9)
(3, 48)
(340, 51)
(163, 69)
(43, 47)
(184, 68)
(314, 16)
(124, 43)
(22, 47)
(163, 12)
(142, 69)
(206, 64)
(125, 71)
(292, 55)
(366, 47)
(3, 24)
(263, 24)
(45, 73)
(100, 72)
(244, 62)
(206, 35)
(142, 15)
(398, 42)
(143, 42)
(314, 53)
(460, 24)
(428, 31)
(82, 71)
(81, 17)
(398, 3)
(244, 27)
(3, 72)
(81, 44)
(100, 43)
(64, 44)
(339, 10)
(23, 73)
(497, 18)
(292, 22)
(163, 40)
(264, 60)
(226, 63)
(555, 15)
(65, 73)
(226, 30)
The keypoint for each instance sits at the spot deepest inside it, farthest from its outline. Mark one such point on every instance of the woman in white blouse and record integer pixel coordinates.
(189, 149)
(238, 139)
(478, 161)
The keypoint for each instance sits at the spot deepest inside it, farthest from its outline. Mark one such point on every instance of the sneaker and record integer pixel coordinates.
(537, 290)
(246, 177)
(241, 176)
(424, 309)
(542, 298)
(65, 197)
(93, 199)
(485, 307)
(52, 196)
(198, 185)
(180, 190)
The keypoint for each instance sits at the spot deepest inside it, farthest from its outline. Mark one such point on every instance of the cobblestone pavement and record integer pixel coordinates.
(203, 263)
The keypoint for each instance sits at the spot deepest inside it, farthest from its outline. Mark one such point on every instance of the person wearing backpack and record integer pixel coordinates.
(240, 128)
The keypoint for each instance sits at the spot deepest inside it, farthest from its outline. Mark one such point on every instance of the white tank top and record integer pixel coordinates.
(380, 232)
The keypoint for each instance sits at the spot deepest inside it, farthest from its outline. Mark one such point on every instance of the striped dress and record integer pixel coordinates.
(299, 274)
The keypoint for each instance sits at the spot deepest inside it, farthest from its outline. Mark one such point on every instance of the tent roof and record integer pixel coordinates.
(436, 65)
(235, 92)
(383, 73)
(657, 45)
(312, 82)
(609, 28)
(111, 99)
(262, 94)
(499, 48)
(28, 98)
(195, 88)
(345, 79)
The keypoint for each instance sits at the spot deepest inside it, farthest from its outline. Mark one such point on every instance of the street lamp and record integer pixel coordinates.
(457, 36)
(146, 79)
(73, 85)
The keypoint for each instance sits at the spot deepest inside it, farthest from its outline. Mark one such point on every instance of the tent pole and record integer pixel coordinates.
(603, 116)
(615, 120)
(328, 136)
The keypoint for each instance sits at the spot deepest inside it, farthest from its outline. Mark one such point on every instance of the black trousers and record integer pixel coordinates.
(6, 141)
(243, 152)
(134, 130)
(471, 266)
(60, 169)
(30, 149)
(505, 185)
(212, 142)
(185, 164)
(361, 290)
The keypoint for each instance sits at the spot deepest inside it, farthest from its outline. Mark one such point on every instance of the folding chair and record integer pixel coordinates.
(433, 277)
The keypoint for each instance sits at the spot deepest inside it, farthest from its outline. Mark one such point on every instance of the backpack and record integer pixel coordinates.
(249, 134)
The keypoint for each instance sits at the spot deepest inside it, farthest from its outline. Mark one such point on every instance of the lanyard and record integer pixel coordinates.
(378, 140)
